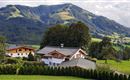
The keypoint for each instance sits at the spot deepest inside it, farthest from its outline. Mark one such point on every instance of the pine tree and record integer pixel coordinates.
(116, 77)
(111, 76)
(125, 77)
(129, 77)
(30, 57)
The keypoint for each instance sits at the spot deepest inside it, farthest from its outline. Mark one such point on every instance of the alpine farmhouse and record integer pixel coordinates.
(19, 51)
(65, 57)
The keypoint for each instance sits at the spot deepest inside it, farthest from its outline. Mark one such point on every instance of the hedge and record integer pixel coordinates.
(8, 69)
(61, 71)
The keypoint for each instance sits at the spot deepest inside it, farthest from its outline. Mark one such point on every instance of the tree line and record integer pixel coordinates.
(78, 35)
(107, 50)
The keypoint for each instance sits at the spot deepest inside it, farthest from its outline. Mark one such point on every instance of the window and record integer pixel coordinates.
(53, 64)
(18, 53)
(20, 49)
(49, 63)
(66, 59)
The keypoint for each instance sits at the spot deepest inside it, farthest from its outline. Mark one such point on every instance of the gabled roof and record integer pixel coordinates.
(79, 62)
(64, 50)
(11, 47)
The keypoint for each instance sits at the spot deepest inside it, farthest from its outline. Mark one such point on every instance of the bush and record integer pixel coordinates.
(8, 69)
(11, 61)
(25, 58)
(34, 63)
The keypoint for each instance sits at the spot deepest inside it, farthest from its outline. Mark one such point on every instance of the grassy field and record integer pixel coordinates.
(35, 46)
(96, 40)
(123, 66)
(36, 77)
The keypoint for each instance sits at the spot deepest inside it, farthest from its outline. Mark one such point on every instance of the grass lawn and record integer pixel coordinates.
(96, 40)
(123, 66)
(37, 77)
(35, 46)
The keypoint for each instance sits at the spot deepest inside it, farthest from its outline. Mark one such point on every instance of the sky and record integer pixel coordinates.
(118, 10)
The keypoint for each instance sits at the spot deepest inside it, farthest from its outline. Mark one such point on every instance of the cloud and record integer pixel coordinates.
(118, 11)
(113, 9)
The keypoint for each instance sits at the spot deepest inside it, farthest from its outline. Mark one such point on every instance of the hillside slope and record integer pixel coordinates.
(24, 24)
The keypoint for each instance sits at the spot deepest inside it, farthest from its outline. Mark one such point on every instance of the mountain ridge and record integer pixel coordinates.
(19, 22)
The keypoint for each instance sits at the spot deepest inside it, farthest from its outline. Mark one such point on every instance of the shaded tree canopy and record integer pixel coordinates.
(106, 42)
(126, 53)
(107, 53)
(94, 49)
(75, 35)
(103, 49)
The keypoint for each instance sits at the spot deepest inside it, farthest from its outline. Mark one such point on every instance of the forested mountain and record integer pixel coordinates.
(24, 24)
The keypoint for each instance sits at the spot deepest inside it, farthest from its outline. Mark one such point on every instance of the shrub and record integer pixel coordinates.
(10, 61)
(34, 63)
(8, 69)
(25, 58)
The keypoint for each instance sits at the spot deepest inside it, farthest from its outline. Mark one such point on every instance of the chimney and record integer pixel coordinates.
(61, 45)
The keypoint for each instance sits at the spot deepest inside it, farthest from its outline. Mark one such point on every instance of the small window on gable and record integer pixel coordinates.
(30, 50)
(20, 49)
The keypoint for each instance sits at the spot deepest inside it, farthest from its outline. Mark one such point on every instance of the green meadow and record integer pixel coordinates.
(96, 40)
(37, 77)
(123, 66)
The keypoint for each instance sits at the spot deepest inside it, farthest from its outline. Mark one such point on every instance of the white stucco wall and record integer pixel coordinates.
(52, 61)
(20, 54)
(74, 56)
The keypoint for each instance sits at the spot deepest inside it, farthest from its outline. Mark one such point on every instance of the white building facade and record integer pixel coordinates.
(57, 55)
(19, 51)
